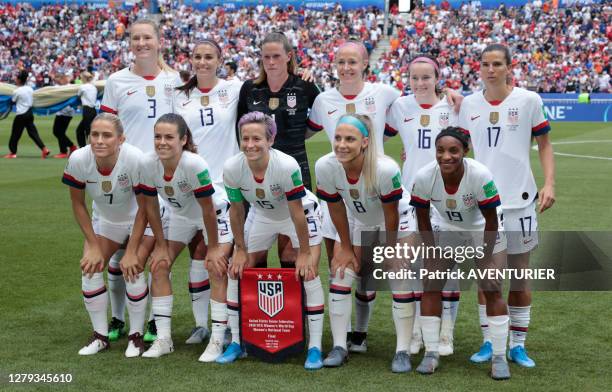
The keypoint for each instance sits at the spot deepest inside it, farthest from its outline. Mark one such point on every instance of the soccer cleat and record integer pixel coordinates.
(61, 155)
(45, 153)
(446, 346)
(430, 363)
(484, 354)
(10, 156)
(135, 346)
(416, 343)
(358, 342)
(499, 368)
(231, 354)
(401, 362)
(116, 329)
(158, 348)
(314, 359)
(198, 335)
(518, 355)
(151, 332)
(96, 344)
(337, 357)
(213, 351)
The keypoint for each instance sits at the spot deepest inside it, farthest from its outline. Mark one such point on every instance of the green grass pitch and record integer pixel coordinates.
(44, 323)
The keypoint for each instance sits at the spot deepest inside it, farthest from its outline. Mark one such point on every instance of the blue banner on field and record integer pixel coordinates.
(599, 112)
(298, 4)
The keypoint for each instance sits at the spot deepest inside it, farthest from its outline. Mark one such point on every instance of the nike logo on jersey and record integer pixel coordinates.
(256, 102)
(330, 112)
(435, 200)
(408, 119)
(474, 117)
(92, 182)
(186, 103)
(244, 190)
(131, 92)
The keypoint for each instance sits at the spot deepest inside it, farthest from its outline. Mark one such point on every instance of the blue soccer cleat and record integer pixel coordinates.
(232, 353)
(518, 355)
(314, 359)
(484, 354)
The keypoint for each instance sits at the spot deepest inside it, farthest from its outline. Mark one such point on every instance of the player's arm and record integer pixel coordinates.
(215, 259)
(345, 256)
(303, 263)
(130, 265)
(160, 251)
(546, 196)
(240, 257)
(454, 98)
(391, 213)
(93, 260)
(490, 230)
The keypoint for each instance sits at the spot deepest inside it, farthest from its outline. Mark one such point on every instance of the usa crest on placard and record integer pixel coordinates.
(270, 297)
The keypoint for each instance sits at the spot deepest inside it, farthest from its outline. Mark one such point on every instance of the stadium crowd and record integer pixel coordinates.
(556, 50)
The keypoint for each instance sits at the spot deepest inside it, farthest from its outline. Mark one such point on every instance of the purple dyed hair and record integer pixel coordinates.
(259, 118)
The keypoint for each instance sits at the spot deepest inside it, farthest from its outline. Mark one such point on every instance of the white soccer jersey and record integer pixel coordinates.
(191, 180)
(501, 135)
(89, 94)
(418, 126)
(139, 102)
(459, 208)
(374, 101)
(23, 97)
(211, 117)
(334, 186)
(282, 182)
(113, 193)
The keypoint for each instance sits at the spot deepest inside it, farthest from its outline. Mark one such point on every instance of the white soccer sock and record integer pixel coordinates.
(162, 310)
(218, 312)
(315, 308)
(199, 288)
(96, 301)
(403, 318)
(498, 327)
(450, 307)
(430, 326)
(116, 286)
(137, 294)
(340, 306)
(233, 307)
(519, 323)
(364, 306)
(484, 323)
(416, 327)
(150, 300)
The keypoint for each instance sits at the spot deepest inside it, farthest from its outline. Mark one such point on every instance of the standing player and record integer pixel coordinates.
(271, 181)
(184, 181)
(88, 94)
(139, 95)
(418, 119)
(502, 120)
(209, 106)
(353, 95)
(109, 171)
(455, 186)
(370, 186)
(23, 98)
(62, 121)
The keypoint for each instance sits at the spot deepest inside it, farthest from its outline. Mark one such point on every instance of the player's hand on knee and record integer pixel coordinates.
(129, 266)
(239, 262)
(159, 264)
(92, 261)
(216, 261)
(344, 258)
(303, 266)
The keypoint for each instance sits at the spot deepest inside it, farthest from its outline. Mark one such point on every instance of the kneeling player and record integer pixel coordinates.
(455, 185)
(271, 181)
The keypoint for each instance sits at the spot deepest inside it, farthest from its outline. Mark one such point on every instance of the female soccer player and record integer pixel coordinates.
(502, 120)
(455, 186)
(88, 94)
(418, 119)
(209, 106)
(271, 181)
(23, 98)
(61, 123)
(369, 184)
(139, 95)
(109, 171)
(183, 178)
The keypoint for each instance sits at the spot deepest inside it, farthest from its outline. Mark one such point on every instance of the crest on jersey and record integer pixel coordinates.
(277, 191)
(444, 119)
(270, 297)
(469, 200)
(168, 90)
(451, 204)
(273, 103)
(260, 193)
(169, 190)
(204, 100)
(107, 186)
(223, 97)
(350, 108)
(370, 104)
(291, 101)
(150, 91)
(424, 120)
(493, 117)
(123, 180)
(513, 116)
(184, 186)
(354, 193)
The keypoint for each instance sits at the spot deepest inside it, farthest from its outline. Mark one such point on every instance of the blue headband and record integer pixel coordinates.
(357, 123)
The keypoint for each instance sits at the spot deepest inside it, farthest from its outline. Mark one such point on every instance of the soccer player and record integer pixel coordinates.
(502, 121)
(183, 180)
(139, 95)
(23, 98)
(62, 121)
(455, 185)
(109, 171)
(88, 94)
(272, 182)
(369, 183)
(209, 106)
(353, 95)
(418, 119)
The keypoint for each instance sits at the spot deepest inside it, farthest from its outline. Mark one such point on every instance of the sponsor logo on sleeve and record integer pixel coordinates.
(204, 177)
(489, 189)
